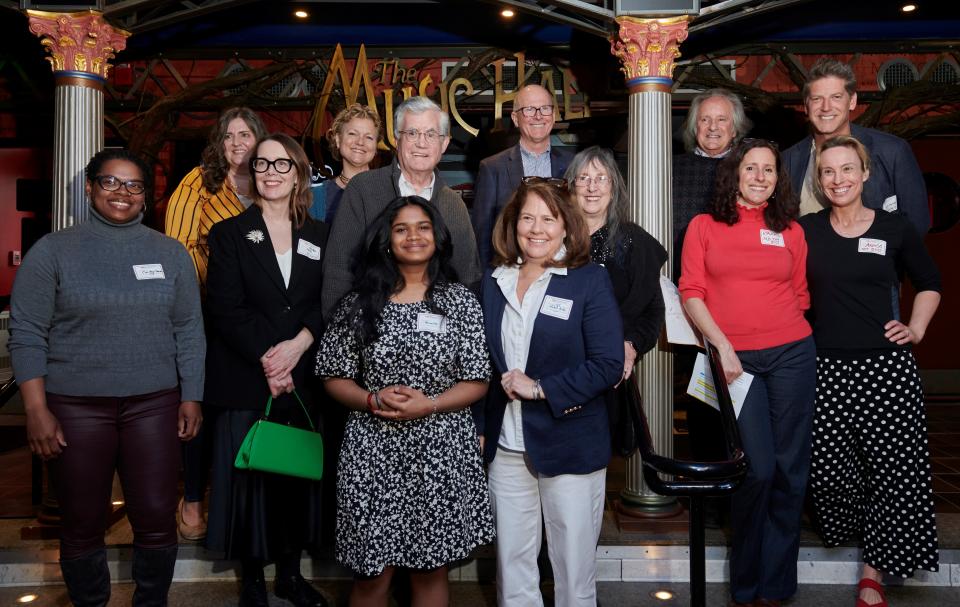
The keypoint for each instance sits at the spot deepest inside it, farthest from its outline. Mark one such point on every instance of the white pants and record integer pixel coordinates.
(572, 512)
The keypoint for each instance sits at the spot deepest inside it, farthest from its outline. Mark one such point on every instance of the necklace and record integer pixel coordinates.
(343, 180)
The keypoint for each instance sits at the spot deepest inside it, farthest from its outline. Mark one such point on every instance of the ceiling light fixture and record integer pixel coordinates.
(301, 14)
(507, 13)
(27, 598)
(662, 595)
(909, 8)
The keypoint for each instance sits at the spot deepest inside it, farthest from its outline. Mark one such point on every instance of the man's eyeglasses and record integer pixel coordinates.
(280, 165)
(531, 110)
(109, 183)
(431, 136)
(556, 182)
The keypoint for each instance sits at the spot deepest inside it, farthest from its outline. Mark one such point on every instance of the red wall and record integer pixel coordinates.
(15, 163)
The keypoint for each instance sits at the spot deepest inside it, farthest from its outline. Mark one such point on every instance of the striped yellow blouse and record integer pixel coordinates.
(192, 211)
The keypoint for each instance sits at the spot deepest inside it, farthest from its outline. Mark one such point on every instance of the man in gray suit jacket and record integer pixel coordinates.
(895, 183)
(500, 174)
(422, 131)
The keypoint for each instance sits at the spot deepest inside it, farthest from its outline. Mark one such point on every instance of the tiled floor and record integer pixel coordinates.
(943, 420)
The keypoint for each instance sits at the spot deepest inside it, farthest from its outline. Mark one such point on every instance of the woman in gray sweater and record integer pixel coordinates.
(107, 343)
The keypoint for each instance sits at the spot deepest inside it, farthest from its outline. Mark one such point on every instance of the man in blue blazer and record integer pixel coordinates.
(895, 183)
(500, 174)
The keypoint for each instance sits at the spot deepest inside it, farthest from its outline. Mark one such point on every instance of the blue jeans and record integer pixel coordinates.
(776, 424)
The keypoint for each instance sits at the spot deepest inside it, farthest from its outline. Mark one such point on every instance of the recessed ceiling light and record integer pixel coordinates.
(117, 502)
(508, 13)
(663, 595)
(909, 8)
(27, 598)
(301, 14)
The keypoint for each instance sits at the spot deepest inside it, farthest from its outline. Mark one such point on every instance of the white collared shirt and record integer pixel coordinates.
(407, 189)
(516, 330)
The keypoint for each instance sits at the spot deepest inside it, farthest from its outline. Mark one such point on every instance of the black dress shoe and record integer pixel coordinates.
(299, 592)
(253, 592)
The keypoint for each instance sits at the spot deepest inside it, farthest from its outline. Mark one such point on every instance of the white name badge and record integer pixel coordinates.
(771, 238)
(890, 204)
(149, 271)
(433, 323)
(872, 245)
(308, 249)
(556, 307)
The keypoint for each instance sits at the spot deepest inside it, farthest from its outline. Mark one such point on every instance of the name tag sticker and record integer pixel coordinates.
(890, 204)
(556, 307)
(149, 271)
(872, 245)
(771, 238)
(433, 323)
(308, 249)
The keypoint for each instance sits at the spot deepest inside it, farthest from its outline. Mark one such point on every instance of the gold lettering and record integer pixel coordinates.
(568, 92)
(500, 96)
(411, 76)
(388, 116)
(426, 82)
(468, 89)
(361, 76)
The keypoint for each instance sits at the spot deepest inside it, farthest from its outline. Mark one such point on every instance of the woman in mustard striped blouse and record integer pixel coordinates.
(218, 189)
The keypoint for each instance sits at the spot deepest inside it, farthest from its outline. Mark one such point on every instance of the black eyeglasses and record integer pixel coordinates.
(109, 183)
(262, 165)
(531, 110)
(556, 182)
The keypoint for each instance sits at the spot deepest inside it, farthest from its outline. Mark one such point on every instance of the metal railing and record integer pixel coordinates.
(697, 480)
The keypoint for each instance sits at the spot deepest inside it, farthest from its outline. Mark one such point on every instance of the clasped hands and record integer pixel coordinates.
(518, 386)
(278, 364)
(403, 403)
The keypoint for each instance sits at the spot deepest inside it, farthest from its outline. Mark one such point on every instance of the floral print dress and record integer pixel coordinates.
(410, 493)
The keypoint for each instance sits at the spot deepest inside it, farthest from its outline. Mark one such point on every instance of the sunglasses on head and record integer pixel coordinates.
(556, 182)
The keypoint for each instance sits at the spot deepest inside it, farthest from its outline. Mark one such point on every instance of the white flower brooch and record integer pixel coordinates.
(255, 236)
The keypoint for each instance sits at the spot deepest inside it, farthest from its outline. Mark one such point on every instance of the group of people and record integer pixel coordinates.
(791, 266)
(473, 351)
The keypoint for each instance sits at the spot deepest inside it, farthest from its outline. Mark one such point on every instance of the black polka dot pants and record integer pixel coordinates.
(870, 470)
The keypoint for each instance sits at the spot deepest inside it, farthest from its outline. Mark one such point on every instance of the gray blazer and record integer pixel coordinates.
(367, 195)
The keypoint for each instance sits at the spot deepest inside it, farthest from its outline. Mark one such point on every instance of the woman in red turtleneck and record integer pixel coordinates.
(743, 284)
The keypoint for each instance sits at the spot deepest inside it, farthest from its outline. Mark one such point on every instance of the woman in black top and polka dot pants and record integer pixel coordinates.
(870, 470)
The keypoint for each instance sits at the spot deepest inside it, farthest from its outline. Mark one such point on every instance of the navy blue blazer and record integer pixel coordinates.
(576, 360)
(893, 172)
(498, 178)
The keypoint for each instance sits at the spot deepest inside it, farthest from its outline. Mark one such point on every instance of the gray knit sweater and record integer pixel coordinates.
(101, 309)
(365, 198)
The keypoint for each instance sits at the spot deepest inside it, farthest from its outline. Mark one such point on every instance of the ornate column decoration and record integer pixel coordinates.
(80, 46)
(647, 48)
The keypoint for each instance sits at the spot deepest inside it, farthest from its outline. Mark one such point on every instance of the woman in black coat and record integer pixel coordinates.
(263, 295)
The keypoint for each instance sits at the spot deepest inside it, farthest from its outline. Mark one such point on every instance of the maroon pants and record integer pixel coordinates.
(134, 435)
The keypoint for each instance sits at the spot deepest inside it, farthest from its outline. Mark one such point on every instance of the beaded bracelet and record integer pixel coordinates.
(370, 401)
(433, 399)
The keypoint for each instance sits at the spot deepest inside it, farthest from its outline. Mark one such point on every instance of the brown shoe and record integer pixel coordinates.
(192, 533)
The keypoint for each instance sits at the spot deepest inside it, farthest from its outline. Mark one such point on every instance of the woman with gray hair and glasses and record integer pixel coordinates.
(631, 256)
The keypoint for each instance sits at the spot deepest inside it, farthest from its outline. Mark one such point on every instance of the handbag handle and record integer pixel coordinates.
(266, 413)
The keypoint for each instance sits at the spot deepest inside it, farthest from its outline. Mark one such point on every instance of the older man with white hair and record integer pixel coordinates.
(422, 132)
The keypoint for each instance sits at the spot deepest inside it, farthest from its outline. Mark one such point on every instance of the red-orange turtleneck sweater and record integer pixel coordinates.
(752, 279)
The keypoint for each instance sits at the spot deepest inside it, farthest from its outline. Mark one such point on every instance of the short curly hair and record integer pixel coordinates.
(355, 110)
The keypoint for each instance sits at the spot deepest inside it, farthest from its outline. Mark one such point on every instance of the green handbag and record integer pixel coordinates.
(282, 449)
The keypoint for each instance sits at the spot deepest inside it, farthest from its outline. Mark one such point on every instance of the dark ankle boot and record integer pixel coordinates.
(153, 572)
(87, 579)
(290, 585)
(253, 588)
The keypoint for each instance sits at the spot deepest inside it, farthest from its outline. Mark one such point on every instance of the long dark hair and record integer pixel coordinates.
(379, 276)
(213, 161)
(783, 205)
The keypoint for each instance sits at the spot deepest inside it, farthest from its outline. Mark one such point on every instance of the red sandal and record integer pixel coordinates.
(867, 583)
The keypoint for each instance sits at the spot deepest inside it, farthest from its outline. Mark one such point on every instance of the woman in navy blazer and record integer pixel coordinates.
(555, 337)
(264, 311)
